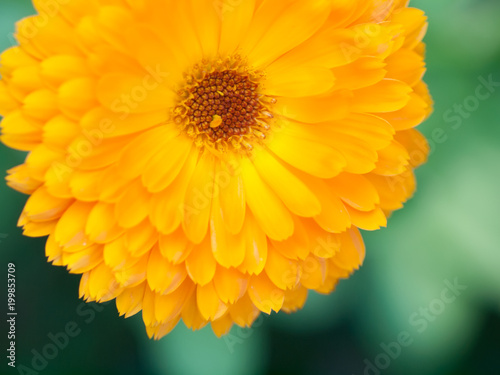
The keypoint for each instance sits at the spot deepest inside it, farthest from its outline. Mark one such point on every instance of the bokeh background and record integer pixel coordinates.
(449, 233)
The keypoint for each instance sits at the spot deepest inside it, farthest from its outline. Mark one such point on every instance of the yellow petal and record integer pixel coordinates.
(163, 276)
(228, 249)
(175, 246)
(197, 202)
(387, 95)
(167, 208)
(229, 284)
(297, 246)
(191, 315)
(102, 284)
(284, 27)
(222, 325)
(297, 197)
(141, 238)
(235, 20)
(129, 302)
(83, 260)
(126, 93)
(70, 230)
(42, 206)
(265, 295)
(299, 82)
(169, 306)
(255, 247)
(232, 197)
(147, 145)
(368, 220)
(201, 264)
(314, 158)
(244, 312)
(269, 212)
(393, 160)
(283, 272)
(101, 224)
(314, 271)
(356, 191)
(352, 252)
(165, 166)
(294, 299)
(315, 109)
(132, 208)
(209, 304)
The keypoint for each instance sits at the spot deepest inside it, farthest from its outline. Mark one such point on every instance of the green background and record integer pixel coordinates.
(449, 231)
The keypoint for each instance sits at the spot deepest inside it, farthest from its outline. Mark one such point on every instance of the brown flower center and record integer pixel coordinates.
(221, 106)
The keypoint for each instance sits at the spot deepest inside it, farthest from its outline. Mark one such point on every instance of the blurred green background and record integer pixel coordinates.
(449, 233)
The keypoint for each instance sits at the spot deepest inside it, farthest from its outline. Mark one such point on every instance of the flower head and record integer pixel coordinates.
(208, 161)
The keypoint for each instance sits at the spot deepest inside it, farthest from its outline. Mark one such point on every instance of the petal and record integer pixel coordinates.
(255, 247)
(230, 284)
(232, 196)
(393, 160)
(386, 96)
(70, 230)
(163, 276)
(296, 196)
(314, 158)
(356, 191)
(169, 306)
(235, 20)
(127, 93)
(141, 238)
(228, 249)
(42, 206)
(283, 272)
(198, 199)
(294, 299)
(209, 304)
(352, 253)
(244, 312)
(371, 220)
(315, 109)
(165, 166)
(147, 145)
(129, 302)
(201, 264)
(167, 208)
(101, 224)
(299, 81)
(175, 247)
(264, 294)
(269, 212)
(132, 208)
(282, 24)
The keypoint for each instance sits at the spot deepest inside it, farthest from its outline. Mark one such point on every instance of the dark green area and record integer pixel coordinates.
(450, 230)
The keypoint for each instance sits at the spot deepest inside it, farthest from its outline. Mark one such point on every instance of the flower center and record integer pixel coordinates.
(221, 105)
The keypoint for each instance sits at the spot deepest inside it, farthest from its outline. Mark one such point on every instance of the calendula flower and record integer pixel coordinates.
(210, 160)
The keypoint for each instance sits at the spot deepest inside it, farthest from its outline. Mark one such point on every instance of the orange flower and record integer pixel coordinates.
(211, 160)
